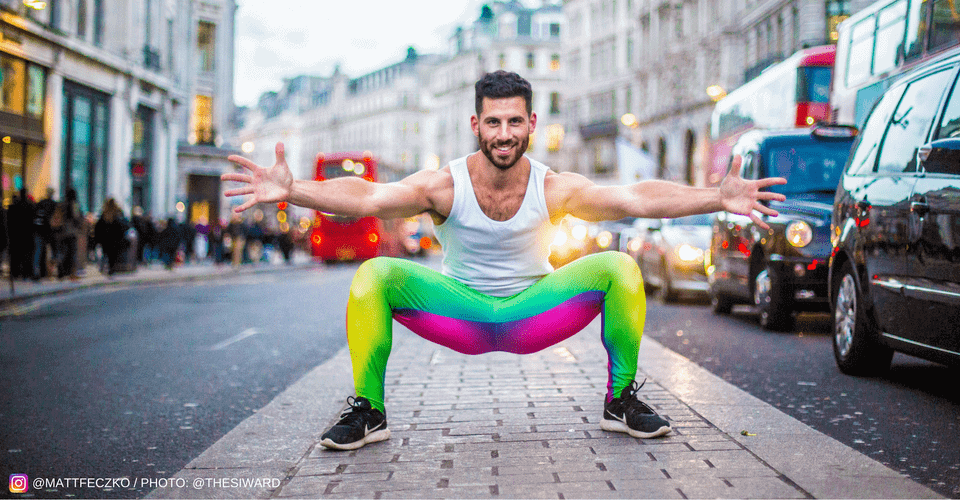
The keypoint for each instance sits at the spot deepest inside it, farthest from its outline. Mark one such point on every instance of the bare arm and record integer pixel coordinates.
(582, 198)
(344, 196)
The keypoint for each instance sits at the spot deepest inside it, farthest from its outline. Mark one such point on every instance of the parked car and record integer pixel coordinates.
(782, 270)
(671, 256)
(895, 263)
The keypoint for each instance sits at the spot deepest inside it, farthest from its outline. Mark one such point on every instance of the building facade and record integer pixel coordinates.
(96, 97)
(206, 116)
(638, 70)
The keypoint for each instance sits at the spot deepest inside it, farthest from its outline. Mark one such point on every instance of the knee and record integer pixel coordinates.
(619, 267)
(371, 276)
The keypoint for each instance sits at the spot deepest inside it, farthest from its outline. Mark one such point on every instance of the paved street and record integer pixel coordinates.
(226, 378)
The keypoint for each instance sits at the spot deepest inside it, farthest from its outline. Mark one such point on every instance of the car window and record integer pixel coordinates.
(865, 152)
(950, 123)
(911, 122)
(810, 167)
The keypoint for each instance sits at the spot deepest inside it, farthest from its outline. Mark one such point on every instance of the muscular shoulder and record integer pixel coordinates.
(560, 188)
(436, 186)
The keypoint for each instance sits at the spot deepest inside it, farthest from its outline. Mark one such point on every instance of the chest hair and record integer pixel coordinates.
(498, 204)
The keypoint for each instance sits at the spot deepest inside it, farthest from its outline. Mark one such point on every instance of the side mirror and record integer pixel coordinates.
(941, 156)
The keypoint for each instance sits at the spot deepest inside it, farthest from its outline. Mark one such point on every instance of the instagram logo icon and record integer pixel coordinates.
(19, 483)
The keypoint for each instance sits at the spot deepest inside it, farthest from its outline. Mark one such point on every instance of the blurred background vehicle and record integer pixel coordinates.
(782, 270)
(671, 255)
(895, 264)
(570, 242)
(341, 238)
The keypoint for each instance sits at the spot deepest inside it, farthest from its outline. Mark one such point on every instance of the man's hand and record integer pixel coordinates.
(267, 185)
(741, 196)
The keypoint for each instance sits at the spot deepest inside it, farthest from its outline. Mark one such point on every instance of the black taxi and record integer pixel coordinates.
(895, 264)
(782, 270)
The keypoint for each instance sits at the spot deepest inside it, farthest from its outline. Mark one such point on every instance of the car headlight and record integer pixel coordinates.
(604, 239)
(560, 238)
(689, 253)
(799, 233)
(579, 232)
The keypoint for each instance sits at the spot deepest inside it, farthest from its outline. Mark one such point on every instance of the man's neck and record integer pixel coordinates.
(484, 173)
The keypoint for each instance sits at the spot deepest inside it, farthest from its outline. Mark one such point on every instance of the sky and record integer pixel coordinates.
(297, 37)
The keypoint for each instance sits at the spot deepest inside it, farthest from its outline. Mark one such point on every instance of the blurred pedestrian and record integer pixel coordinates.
(285, 242)
(66, 226)
(169, 242)
(110, 235)
(188, 234)
(495, 212)
(21, 215)
(143, 227)
(42, 235)
(238, 240)
(215, 241)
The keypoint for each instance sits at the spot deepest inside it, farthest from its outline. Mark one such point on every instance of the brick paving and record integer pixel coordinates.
(503, 425)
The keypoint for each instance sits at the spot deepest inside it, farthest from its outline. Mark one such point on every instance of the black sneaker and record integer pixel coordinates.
(360, 424)
(632, 416)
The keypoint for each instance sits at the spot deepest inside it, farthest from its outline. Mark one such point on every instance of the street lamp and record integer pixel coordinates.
(630, 120)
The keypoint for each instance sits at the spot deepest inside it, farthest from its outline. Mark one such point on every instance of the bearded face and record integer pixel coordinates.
(503, 130)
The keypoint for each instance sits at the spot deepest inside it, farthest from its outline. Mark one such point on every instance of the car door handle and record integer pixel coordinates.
(921, 208)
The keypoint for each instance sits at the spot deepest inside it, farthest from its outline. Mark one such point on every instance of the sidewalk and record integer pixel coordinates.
(25, 290)
(507, 426)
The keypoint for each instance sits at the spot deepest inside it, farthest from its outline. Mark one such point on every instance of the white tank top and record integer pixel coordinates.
(499, 258)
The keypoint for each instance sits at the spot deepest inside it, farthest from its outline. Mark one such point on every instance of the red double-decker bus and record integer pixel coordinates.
(792, 93)
(340, 238)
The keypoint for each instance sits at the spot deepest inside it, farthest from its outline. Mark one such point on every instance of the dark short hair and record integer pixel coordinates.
(502, 84)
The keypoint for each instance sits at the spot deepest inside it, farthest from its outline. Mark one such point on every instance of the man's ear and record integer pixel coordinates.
(533, 122)
(475, 125)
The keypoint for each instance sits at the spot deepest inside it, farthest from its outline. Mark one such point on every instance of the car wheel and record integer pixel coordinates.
(856, 345)
(720, 303)
(774, 308)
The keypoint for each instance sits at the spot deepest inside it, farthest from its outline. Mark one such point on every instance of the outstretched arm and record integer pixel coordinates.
(656, 198)
(350, 196)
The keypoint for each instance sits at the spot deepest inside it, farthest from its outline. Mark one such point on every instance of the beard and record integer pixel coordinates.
(504, 162)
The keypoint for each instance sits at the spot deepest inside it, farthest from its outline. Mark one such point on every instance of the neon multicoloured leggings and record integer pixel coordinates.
(447, 312)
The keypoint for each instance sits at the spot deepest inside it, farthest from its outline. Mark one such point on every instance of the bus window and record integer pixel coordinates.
(946, 25)
(892, 22)
(860, 58)
(814, 84)
(916, 29)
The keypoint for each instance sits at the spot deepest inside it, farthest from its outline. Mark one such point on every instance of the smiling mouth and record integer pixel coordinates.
(503, 149)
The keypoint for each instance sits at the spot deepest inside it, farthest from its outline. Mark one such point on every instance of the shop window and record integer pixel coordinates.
(85, 132)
